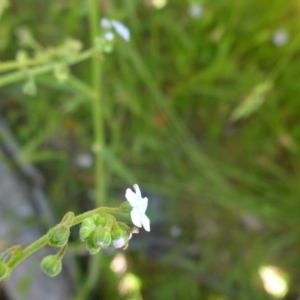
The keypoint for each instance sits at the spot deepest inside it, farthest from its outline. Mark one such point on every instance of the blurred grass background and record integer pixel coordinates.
(201, 109)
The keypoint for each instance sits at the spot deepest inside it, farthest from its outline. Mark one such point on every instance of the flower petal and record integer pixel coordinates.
(135, 217)
(131, 197)
(118, 243)
(105, 23)
(142, 205)
(121, 29)
(145, 221)
(137, 191)
(109, 36)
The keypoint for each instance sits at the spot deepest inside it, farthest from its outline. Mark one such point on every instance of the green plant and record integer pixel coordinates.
(99, 230)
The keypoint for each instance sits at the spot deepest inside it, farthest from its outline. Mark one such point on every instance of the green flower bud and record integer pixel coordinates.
(126, 208)
(102, 238)
(58, 236)
(61, 72)
(120, 236)
(90, 225)
(51, 265)
(91, 246)
(99, 44)
(68, 219)
(4, 271)
(29, 87)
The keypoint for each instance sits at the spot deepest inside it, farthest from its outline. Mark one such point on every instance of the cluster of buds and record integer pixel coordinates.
(102, 230)
(98, 230)
(58, 236)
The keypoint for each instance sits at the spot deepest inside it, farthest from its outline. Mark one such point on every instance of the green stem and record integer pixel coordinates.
(35, 246)
(10, 65)
(97, 103)
(23, 74)
(98, 123)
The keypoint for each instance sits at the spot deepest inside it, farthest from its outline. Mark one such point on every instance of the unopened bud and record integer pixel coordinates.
(102, 238)
(125, 208)
(61, 72)
(51, 265)
(58, 236)
(90, 225)
(91, 246)
(119, 237)
(29, 87)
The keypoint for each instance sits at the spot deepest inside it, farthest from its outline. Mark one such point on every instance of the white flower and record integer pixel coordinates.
(195, 10)
(109, 36)
(105, 23)
(119, 27)
(139, 205)
(280, 37)
(84, 160)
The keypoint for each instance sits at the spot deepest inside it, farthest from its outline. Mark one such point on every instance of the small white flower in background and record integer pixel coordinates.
(119, 27)
(105, 23)
(195, 10)
(280, 37)
(139, 205)
(84, 160)
(109, 36)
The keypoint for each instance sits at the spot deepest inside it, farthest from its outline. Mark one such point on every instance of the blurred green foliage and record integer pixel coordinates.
(201, 112)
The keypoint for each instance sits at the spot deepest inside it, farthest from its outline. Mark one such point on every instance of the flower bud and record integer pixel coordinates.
(119, 237)
(4, 271)
(90, 225)
(51, 265)
(58, 236)
(125, 208)
(61, 72)
(29, 87)
(102, 238)
(68, 219)
(91, 246)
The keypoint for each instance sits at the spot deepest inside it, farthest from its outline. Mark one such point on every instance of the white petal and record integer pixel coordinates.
(105, 23)
(131, 197)
(146, 222)
(135, 218)
(122, 30)
(142, 205)
(109, 36)
(118, 243)
(137, 191)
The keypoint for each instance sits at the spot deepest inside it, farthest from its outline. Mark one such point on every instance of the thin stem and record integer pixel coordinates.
(35, 246)
(98, 122)
(10, 65)
(97, 109)
(23, 74)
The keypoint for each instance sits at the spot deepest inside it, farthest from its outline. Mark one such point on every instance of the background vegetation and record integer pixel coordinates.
(202, 111)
